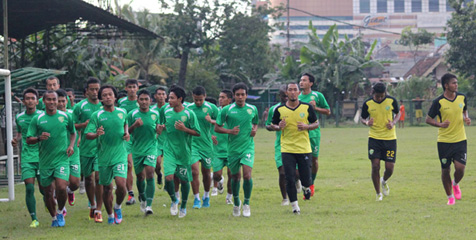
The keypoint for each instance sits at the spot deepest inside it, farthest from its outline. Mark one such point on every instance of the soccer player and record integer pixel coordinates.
(52, 84)
(50, 129)
(109, 126)
(161, 97)
(71, 96)
(295, 120)
(88, 149)
(129, 103)
(143, 125)
(220, 148)
(202, 146)
(29, 153)
(451, 110)
(74, 163)
(319, 103)
(181, 124)
(401, 120)
(242, 121)
(418, 109)
(381, 113)
(277, 145)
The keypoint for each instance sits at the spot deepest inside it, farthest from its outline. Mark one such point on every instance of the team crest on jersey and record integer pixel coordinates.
(153, 117)
(371, 151)
(249, 111)
(61, 119)
(444, 160)
(120, 115)
(205, 110)
(312, 97)
(460, 105)
(387, 108)
(302, 115)
(184, 118)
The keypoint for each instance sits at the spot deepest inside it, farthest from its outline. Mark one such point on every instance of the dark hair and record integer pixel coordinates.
(446, 79)
(132, 81)
(91, 80)
(61, 93)
(379, 88)
(199, 91)
(287, 85)
(69, 90)
(104, 87)
(228, 93)
(178, 91)
(53, 78)
(31, 90)
(143, 91)
(239, 86)
(211, 100)
(311, 78)
(159, 88)
(121, 94)
(50, 91)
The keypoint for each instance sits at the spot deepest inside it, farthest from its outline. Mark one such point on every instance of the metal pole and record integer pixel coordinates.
(287, 33)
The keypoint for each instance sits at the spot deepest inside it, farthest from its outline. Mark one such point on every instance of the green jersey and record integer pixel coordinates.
(179, 143)
(29, 153)
(244, 117)
(320, 103)
(163, 136)
(204, 141)
(111, 148)
(145, 142)
(76, 149)
(277, 142)
(221, 150)
(41, 104)
(128, 105)
(81, 113)
(53, 150)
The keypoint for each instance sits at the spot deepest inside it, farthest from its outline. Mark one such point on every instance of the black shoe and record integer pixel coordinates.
(307, 194)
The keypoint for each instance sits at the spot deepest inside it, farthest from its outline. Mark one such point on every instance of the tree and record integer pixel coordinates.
(414, 87)
(462, 38)
(415, 40)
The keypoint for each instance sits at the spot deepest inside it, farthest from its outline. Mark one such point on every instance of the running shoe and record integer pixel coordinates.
(451, 201)
(307, 193)
(385, 188)
(65, 212)
(148, 211)
(457, 192)
(117, 216)
(379, 197)
(312, 190)
(98, 217)
(285, 202)
(237, 210)
(110, 221)
(130, 200)
(246, 210)
(91, 213)
(182, 213)
(54, 223)
(214, 192)
(298, 186)
(174, 208)
(82, 188)
(197, 203)
(60, 219)
(206, 202)
(143, 205)
(229, 201)
(71, 198)
(34, 224)
(220, 187)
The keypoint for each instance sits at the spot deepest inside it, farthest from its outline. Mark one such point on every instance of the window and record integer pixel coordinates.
(434, 5)
(381, 6)
(416, 5)
(448, 7)
(364, 6)
(399, 6)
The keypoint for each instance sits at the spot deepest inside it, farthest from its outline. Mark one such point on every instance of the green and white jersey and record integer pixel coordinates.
(179, 143)
(277, 142)
(81, 113)
(128, 105)
(111, 148)
(204, 143)
(221, 150)
(145, 142)
(320, 103)
(29, 153)
(53, 150)
(163, 136)
(76, 149)
(245, 117)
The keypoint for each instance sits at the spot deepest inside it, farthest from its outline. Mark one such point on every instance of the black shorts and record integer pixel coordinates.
(383, 149)
(448, 152)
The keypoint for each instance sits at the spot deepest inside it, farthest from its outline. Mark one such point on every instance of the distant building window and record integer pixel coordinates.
(399, 6)
(416, 5)
(448, 7)
(381, 6)
(434, 5)
(364, 6)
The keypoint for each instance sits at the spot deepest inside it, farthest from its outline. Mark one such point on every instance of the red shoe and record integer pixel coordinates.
(457, 192)
(451, 201)
(312, 190)
(71, 198)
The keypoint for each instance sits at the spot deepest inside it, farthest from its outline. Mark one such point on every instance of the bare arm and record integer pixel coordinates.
(435, 123)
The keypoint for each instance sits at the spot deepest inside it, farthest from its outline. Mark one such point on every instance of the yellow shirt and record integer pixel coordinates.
(293, 140)
(452, 111)
(381, 112)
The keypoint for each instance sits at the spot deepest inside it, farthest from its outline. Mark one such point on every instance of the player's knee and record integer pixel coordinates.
(169, 178)
(375, 167)
(216, 177)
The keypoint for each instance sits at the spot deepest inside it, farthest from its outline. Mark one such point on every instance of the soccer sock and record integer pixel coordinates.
(314, 175)
(235, 186)
(110, 215)
(451, 196)
(170, 187)
(229, 196)
(30, 200)
(59, 211)
(150, 191)
(185, 188)
(206, 194)
(141, 189)
(247, 187)
(197, 196)
(97, 211)
(117, 206)
(177, 194)
(93, 206)
(454, 183)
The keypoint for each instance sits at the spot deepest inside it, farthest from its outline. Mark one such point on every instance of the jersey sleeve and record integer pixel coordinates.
(365, 111)
(465, 104)
(396, 109)
(77, 113)
(222, 117)
(32, 129)
(92, 125)
(312, 117)
(70, 126)
(323, 102)
(255, 119)
(129, 119)
(270, 115)
(214, 112)
(276, 116)
(434, 108)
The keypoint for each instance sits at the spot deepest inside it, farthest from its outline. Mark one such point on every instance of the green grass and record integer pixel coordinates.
(344, 206)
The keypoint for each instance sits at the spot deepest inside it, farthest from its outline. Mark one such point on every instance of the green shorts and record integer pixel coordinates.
(88, 165)
(61, 171)
(129, 146)
(203, 157)
(315, 143)
(29, 170)
(247, 158)
(181, 171)
(277, 157)
(141, 161)
(106, 174)
(75, 166)
(219, 163)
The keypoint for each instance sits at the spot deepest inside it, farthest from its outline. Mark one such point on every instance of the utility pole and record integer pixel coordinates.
(287, 28)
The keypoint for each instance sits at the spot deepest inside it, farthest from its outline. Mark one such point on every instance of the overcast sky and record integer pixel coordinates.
(151, 5)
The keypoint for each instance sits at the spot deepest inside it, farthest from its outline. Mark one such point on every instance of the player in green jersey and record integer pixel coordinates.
(180, 124)
(143, 125)
(242, 121)
(109, 127)
(202, 146)
(220, 147)
(88, 148)
(53, 84)
(161, 97)
(71, 97)
(319, 103)
(29, 153)
(129, 103)
(51, 130)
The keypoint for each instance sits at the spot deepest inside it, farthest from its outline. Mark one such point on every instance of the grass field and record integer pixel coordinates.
(343, 207)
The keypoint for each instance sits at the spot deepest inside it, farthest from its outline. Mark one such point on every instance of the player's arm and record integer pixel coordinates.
(16, 140)
(92, 130)
(466, 118)
(323, 107)
(254, 129)
(312, 119)
(179, 125)
(72, 139)
(76, 116)
(135, 125)
(275, 121)
(396, 117)
(365, 116)
(432, 113)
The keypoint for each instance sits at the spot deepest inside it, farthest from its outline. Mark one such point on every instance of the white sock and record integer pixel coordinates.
(93, 207)
(110, 215)
(197, 196)
(206, 194)
(117, 206)
(68, 190)
(58, 211)
(454, 183)
(222, 179)
(451, 196)
(295, 205)
(229, 196)
(53, 218)
(177, 194)
(382, 181)
(97, 211)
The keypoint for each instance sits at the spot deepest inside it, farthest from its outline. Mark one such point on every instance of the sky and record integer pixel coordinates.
(137, 5)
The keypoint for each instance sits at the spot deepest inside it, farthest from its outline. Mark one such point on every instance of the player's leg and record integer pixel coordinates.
(235, 176)
(49, 200)
(376, 174)
(207, 180)
(247, 189)
(282, 184)
(61, 198)
(140, 183)
(108, 199)
(289, 168)
(459, 159)
(196, 185)
(315, 145)
(185, 175)
(28, 173)
(121, 192)
(158, 169)
(304, 162)
(74, 179)
(130, 180)
(390, 158)
(445, 154)
(98, 194)
(150, 188)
